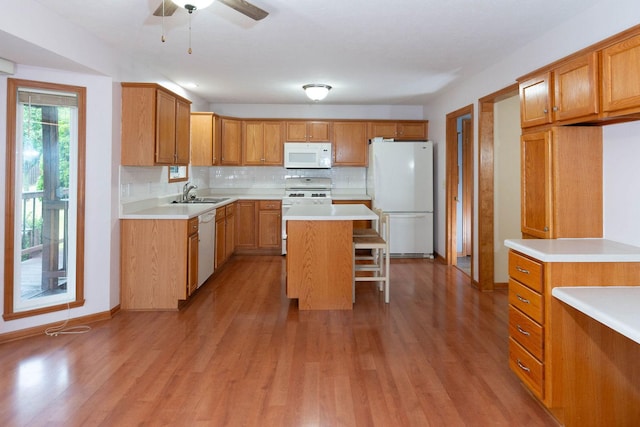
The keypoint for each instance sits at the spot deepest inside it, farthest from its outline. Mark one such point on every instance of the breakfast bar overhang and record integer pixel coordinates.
(320, 254)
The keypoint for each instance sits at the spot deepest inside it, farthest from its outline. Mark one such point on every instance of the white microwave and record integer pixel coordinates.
(307, 155)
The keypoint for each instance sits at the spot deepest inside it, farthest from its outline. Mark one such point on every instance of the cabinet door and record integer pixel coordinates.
(253, 143)
(231, 142)
(621, 77)
(383, 129)
(273, 144)
(165, 128)
(296, 131)
(230, 238)
(350, 144)
(221, 239)
(412, 130)
(576, 88)
(138, 126)
(535, 150)
(202, 148)
(247, 221)
(270, 224)
(192, 268)
(535, 101)
(318, 131)
(183, 132)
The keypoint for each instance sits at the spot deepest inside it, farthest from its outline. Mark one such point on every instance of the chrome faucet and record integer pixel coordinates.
(187, 189)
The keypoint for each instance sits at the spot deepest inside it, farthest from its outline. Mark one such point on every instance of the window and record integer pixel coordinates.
(44, 216)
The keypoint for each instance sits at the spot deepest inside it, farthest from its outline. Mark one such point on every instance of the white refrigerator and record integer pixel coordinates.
(400, 182)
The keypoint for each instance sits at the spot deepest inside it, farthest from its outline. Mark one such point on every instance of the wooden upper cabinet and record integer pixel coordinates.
(231, 142)
(308, 131)
(205, 137)
(262, 143)
(535, 100)
(155, 126)
(575, 89)
(350, 143)
(561, 179)
(406, 130)
(621, 77)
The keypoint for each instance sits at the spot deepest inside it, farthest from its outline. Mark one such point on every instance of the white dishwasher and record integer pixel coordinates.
(206, 245)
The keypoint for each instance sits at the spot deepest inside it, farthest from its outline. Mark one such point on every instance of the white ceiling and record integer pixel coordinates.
(386, 52)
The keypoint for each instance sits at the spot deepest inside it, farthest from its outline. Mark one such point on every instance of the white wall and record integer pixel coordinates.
(506, 184)
(588, 26)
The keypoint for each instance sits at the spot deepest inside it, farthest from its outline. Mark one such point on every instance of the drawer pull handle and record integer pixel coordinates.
(522, 331)
(522, 270)
(524, 300)
(522, 366)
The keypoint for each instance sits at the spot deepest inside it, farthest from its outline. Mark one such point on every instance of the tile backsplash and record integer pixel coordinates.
(139, 183)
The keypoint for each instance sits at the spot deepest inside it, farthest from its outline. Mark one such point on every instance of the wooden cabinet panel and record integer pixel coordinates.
(526, 300)
(527, 332)
(259, 225)
(205, 128)
(192, 260)
(263, 143)
(412, 130)
(247, 230)
(621, 77)
(561, 182)
(221, 239)
(528, 369)
(350, 144)
(155, 126)
(535, 101)
(576, 89)
(231, 142)
(526, 271)
(307, 131)
(230, 224)
(406, 130)
(270, 223)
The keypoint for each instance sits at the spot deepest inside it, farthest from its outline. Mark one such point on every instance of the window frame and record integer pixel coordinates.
(10, 197)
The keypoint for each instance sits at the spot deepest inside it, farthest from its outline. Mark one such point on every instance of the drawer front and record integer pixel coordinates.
(220, 213)
(230, 208)
(527, 332)
(527, 368)
(269, 205)
(526, 300)
(192, 226)
(525, 270)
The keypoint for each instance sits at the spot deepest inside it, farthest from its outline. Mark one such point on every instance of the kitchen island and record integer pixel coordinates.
(320, 254)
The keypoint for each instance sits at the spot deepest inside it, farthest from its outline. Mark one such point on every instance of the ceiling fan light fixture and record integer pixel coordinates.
(316, 92)
(192, 5)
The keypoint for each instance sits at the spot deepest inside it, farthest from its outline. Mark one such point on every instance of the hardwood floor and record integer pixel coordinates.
(242, 354)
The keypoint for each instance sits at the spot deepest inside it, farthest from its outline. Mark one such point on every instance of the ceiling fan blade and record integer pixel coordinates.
(169, 8)
(246, 8)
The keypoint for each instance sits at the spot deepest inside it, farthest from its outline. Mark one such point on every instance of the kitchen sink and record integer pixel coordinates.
(212, 200)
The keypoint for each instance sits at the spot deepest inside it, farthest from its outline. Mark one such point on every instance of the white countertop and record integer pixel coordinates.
(575, 250)
(175, 210)
(617, 307)
(329, 213)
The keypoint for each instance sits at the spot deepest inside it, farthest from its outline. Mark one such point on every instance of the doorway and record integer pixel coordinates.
(459, 191)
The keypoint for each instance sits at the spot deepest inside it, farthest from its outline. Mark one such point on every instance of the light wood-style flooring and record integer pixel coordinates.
(241, 354)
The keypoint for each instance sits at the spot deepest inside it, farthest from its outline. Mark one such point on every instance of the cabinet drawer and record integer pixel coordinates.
(525, 270)
(526, 300)
(230, 209)
(192, 226)
(527, 368)
(527, 332)
(269, 205)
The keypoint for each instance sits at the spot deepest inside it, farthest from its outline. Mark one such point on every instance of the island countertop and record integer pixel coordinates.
(329, 213)
(575, 250)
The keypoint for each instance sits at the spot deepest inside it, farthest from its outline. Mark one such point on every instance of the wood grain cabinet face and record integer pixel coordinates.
(307, 131)
(192, 256)
(259, 225)
(561, 183)
(535, 100)
(231, 142)
(155, 126)
(262, 143)
(205, 130)
(270, 225)
(351, 146)
(621, 77)
(406, 130)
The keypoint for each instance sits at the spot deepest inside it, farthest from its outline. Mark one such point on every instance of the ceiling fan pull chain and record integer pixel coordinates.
(189, 33)
(163, 39)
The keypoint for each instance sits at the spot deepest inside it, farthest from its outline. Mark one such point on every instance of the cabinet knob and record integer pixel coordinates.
(555, 108)
(545, 111)
(546, 229)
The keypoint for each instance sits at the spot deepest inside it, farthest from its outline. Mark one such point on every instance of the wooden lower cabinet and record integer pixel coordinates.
(158, 262)
(535, 334)
(259, 225)
(225, 233)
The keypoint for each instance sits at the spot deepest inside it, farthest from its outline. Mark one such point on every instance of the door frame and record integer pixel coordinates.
(486, 259)
(452, 184)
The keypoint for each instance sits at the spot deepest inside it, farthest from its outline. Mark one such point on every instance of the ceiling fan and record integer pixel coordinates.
(167, 8)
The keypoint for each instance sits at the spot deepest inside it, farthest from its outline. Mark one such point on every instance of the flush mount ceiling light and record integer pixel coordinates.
(316, 92)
